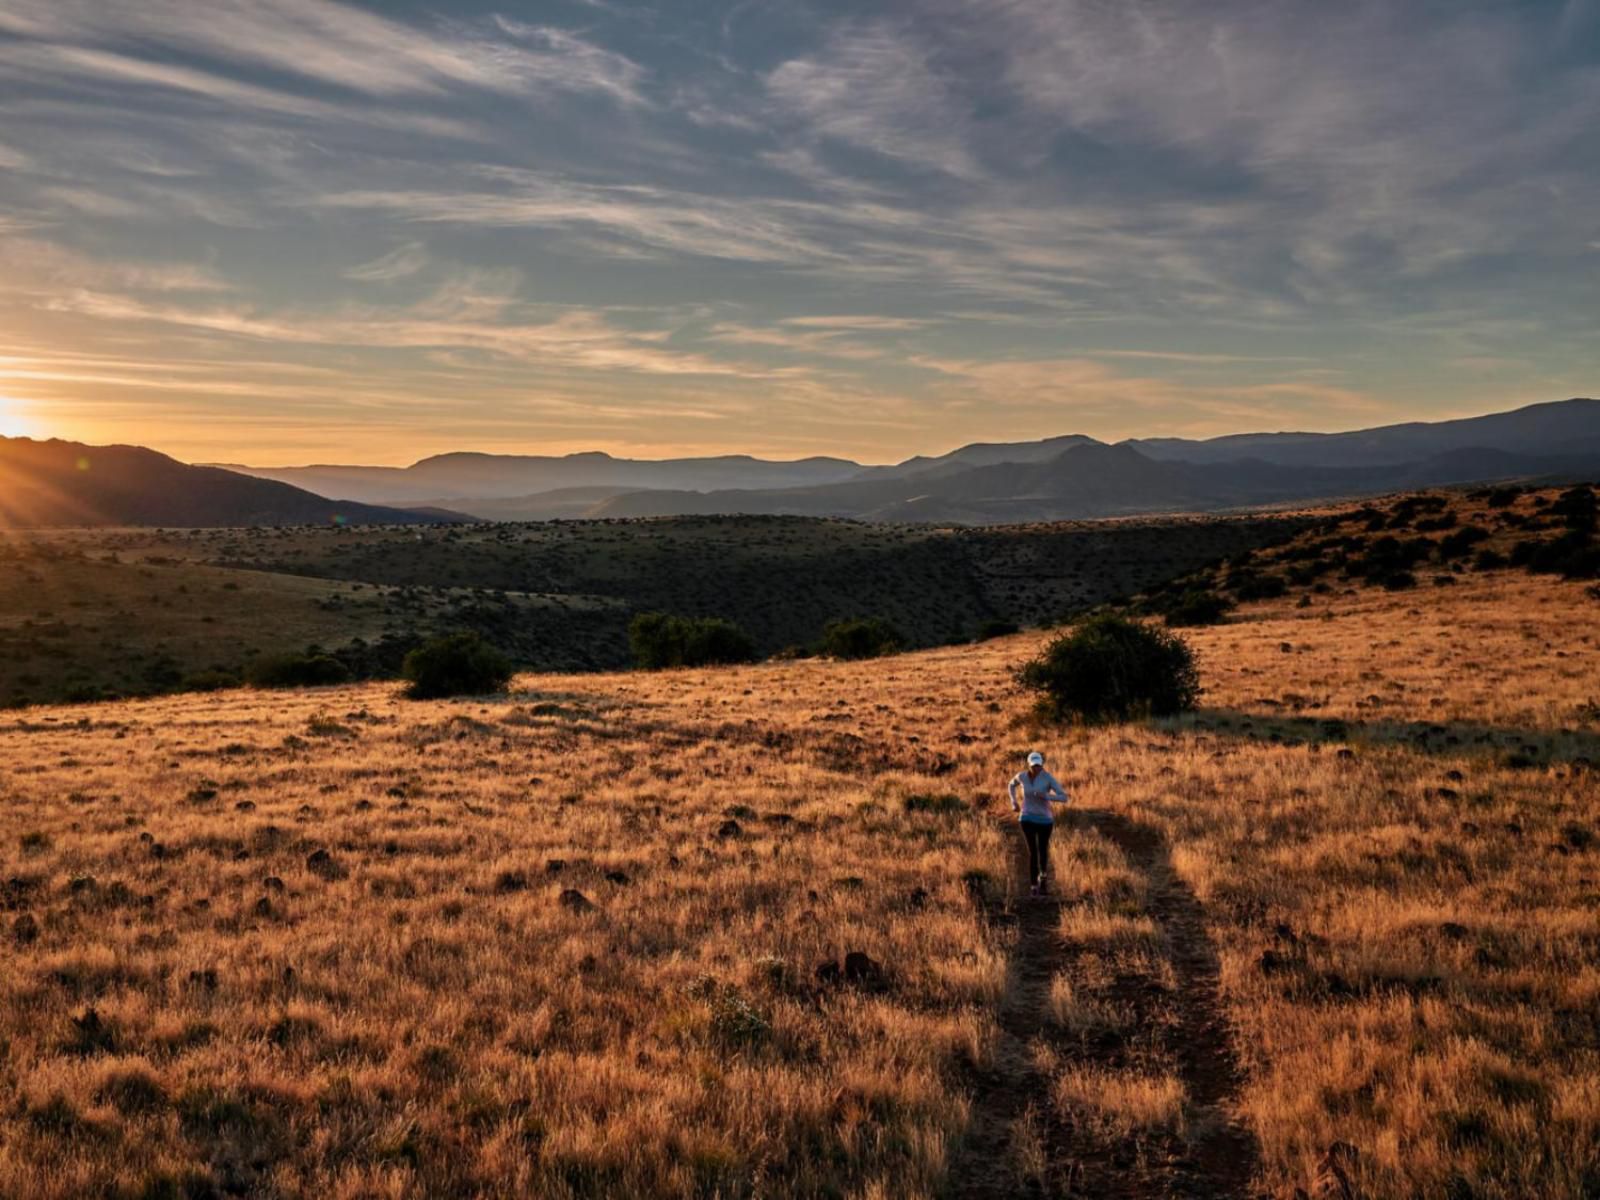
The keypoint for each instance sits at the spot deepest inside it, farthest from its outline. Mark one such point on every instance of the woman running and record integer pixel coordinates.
(1039, 790)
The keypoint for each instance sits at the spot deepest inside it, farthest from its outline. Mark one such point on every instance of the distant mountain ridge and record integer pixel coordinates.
(542, 487)
(1059, 478)
(472, 475)
(56, 484)
(1100, 481)
(1556, 427)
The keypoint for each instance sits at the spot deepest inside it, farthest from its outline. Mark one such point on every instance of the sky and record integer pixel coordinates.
(289, 231)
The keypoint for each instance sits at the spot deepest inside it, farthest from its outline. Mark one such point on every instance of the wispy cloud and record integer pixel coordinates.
(827, 227)
(399, 263)
(339, 45)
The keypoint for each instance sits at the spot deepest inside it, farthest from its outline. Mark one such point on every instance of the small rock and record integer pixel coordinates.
(1272, 961)
(862, 970)
(729, 829)
(575, 900)
(620, 878)
(1334, 1173)
(510, 881)
(324, 865)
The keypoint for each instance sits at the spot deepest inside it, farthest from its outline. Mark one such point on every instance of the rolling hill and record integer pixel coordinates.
(45, 484)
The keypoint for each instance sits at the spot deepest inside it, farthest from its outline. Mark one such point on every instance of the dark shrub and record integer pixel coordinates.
(1458, 543)
(1111, 667)
(860, 637)
(296, 670)
(994, 629)
(1577, 509)
(659, 640)
(1489, 560)
(1573, 555)
(1503, 497)
(462, 664)
(1195, 607)
(1397, 581)
(1261, 587)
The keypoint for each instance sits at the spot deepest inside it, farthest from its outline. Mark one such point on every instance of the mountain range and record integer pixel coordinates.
(988, 482)
(56, 483)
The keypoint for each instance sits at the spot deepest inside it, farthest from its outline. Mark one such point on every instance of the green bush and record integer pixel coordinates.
(1111, 667)
(860, 637)
(296, 670)
(1196, 607)
(461, 664)
(659, 640)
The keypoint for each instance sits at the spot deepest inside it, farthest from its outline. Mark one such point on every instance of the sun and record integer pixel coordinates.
(12, 421)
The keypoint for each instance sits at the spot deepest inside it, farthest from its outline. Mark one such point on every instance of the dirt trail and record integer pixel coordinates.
(1017, 1144)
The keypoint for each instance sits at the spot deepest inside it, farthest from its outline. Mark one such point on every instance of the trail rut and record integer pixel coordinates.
(1018, 1142)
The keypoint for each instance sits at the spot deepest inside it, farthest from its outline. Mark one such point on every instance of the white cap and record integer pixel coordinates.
(1036, 758)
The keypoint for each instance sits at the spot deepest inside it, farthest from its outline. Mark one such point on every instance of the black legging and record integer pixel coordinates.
(1037, 835)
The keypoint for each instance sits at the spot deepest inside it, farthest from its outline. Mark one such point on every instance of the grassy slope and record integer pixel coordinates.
(1386, 791)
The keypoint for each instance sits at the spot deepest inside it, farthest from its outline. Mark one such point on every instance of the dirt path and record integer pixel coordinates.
(1017, 1143)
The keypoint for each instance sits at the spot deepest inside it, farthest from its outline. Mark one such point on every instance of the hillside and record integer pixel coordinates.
(62, 484)
(87, 613)
(1339, 923)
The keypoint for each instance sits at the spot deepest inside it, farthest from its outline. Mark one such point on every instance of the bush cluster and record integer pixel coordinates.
(296, 670)
(462, 664)
(660, 640)
(861, 637)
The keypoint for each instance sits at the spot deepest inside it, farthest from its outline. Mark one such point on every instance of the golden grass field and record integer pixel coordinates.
(567, 942)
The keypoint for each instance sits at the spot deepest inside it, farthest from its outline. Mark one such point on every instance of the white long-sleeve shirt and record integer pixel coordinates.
(1038, 791)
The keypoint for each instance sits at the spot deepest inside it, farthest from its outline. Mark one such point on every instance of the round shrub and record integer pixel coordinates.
(461, 664)
(659, 640)
(860, 637)
(1111, 667)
